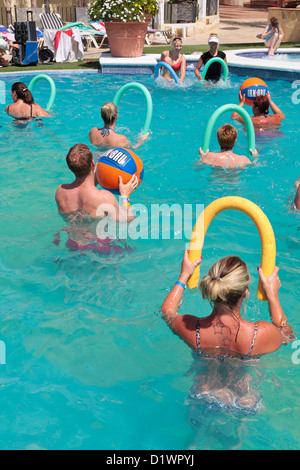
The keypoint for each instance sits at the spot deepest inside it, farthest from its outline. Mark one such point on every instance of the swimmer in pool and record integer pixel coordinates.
(260, 109)
(83, 195)
(214, 71)
(224, 333)
(297, 197)
(227, 137)
(273, 35)
(24, 107)
(107, 137)
(175, 59)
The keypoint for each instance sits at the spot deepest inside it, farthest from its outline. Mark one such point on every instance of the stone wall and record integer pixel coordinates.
(289, 19)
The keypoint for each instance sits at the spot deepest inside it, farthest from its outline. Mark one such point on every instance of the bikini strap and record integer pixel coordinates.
(253, 339)
(105, 131)
(198, 336)
(229, 155)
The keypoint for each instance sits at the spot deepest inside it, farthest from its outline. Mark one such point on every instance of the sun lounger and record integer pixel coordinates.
(53, 21)
(158, 33)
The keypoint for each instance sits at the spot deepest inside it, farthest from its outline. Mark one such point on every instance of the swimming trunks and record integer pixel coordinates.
(223, 356)
(105, 246)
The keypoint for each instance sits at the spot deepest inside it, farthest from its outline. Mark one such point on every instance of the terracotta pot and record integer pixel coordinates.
(126, 39)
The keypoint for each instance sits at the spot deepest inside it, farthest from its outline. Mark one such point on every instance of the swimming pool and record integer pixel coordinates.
(285, 63)
(294, 56)
(89, 362)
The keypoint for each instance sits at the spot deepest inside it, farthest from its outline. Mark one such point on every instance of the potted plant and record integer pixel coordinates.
(150, 9)
(124, 23)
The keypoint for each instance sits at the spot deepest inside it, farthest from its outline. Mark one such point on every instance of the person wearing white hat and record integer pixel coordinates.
(214, 71)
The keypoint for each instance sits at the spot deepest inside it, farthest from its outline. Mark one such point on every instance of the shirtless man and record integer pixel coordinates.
(260, 109)
(106, 137)
(227, 136)
(83, 195)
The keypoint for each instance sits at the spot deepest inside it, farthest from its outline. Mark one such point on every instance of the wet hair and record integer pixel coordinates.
(79, 160)
(109, 112)
(225, 282)
(22, 92)
(227, 136)
(262, 103)
(274, 22)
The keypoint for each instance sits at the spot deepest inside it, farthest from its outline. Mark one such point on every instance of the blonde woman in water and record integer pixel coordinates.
(106, 136)
(224, 332)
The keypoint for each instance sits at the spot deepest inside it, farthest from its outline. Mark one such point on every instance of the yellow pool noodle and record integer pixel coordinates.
(265, 230)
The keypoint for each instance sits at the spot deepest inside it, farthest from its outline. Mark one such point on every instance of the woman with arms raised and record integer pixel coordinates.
(224, 333)
(260, 109)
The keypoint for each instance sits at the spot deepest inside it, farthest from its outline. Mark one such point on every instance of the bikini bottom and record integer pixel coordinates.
(237, 405)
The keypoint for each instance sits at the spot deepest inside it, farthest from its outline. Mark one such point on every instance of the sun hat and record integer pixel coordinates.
(213, 39)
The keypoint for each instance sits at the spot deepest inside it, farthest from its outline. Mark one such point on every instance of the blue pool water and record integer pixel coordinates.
(292, 56)
(90, 364)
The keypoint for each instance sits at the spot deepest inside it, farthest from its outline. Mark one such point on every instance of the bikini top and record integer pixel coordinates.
(105, 131)
(175, 66)
(229, 155)
(223, 356)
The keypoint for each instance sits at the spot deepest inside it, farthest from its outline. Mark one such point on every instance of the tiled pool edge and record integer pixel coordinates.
(266, 69)
(145, 65)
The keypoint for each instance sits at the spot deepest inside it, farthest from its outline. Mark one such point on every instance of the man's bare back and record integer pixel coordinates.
(83, 195)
